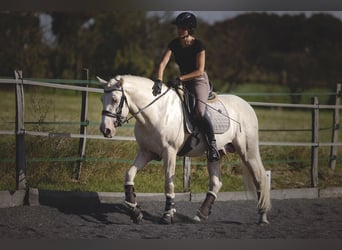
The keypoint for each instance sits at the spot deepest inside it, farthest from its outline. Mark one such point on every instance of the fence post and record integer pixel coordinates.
(20, 132)
(186, 173)
(336, 126)
(315, 141)
(83, 126)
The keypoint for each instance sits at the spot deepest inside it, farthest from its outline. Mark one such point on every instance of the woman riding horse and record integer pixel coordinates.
(159, 128)
(189, 54)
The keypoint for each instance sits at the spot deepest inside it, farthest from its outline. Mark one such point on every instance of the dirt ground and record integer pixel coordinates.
(290, 219)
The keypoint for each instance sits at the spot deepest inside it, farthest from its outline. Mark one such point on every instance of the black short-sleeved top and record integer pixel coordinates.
(185, 57)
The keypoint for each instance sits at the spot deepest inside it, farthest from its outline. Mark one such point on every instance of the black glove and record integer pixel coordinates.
(157, 87)
(174, 83)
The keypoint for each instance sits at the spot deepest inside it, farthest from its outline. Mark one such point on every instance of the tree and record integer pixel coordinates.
(295, 50)
(326, 48)
(226, 57)
(67, 27)
(21, 40)
(120, 45)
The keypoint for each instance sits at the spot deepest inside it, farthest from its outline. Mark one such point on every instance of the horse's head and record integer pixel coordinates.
(114, 105)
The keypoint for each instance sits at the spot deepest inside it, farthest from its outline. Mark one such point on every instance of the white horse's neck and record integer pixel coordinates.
(138, 91)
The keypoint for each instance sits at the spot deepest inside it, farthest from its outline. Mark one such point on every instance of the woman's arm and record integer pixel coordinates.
(163, 63)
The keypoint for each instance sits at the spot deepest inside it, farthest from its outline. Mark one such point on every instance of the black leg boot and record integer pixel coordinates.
(207, 128)
(169, 211)
(134, 208)
(205, 209)
(130, 195)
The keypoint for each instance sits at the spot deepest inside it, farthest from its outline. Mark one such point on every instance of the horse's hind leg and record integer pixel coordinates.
(141, 160)
(258, 176)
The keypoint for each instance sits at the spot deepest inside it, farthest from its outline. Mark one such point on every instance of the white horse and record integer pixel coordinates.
(160, 133)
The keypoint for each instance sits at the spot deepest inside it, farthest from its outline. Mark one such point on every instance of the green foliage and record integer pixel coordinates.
(21, 45)
(287, 50)
(131, 60)
(295, 51)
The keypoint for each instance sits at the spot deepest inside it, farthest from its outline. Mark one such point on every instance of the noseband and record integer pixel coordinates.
(118, 113)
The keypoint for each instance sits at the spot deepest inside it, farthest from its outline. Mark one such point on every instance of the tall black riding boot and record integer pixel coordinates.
(207, 128)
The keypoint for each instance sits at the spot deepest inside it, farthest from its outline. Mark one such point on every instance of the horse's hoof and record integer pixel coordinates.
(138, 219)
(166, 219)
(200, 216)
(196, 219)
(136, 215)
(263, 220)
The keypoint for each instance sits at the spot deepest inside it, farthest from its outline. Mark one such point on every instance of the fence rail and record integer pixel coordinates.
(20, 132)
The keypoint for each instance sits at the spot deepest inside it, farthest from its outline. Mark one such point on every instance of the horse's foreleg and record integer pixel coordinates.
(170, 209)
(134, 208)
(215, 185)
(214, 170)
(141, 160)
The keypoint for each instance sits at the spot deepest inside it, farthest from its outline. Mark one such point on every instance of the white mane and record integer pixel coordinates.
(122, 80)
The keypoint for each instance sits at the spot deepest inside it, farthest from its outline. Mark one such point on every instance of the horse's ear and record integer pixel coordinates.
(120, 80)
(103, 82)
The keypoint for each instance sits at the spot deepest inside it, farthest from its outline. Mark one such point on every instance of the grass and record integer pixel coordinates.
(107, 161)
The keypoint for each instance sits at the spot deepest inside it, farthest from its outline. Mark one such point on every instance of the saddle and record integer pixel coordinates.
(216, 112)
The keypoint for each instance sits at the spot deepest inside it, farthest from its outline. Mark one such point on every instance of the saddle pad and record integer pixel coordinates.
(217, 113)
(219, 116)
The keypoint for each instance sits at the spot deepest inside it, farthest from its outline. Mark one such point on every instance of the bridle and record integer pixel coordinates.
(118, 114)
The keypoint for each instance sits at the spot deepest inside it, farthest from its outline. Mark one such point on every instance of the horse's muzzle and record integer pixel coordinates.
(107, 133)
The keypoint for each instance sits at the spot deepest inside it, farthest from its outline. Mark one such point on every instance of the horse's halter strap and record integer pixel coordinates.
(118, 113)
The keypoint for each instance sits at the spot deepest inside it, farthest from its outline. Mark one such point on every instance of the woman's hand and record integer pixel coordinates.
(174, 83)
(157, 87)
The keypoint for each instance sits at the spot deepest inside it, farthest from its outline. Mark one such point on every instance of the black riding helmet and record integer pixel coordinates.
(186, 20)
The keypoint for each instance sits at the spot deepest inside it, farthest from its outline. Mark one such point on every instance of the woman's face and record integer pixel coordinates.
(184, 36)
(183, 33)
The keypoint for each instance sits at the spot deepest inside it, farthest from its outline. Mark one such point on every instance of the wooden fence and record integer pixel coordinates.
(83, 136)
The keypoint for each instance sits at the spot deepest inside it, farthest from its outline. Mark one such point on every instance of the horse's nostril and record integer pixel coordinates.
(107, 131)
